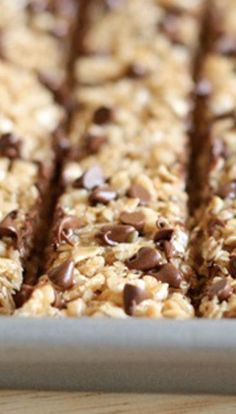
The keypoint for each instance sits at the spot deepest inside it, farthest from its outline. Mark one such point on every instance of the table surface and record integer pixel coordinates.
(40, 402)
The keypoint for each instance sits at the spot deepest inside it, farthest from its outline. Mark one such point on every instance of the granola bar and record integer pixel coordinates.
(21, 186)
(214, 234)
(119, 242)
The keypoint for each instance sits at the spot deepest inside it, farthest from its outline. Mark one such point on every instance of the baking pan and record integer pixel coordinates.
(118, 355)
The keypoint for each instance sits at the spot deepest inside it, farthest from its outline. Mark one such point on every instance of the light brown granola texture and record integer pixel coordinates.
(18, 192)
(28, 118)
(146, 144)
(35, 35)
(214, 235)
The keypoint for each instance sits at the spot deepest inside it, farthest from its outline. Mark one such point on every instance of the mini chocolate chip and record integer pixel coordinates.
(232, 266)
(168, 249)
(138, 191)
(226, 45)
(164, 234)
(103, 115)
(136, 71)
(135, 219)
(23, 295)
(90, 179)
(8, 228)
(146, 258)
(66, 227)
(168, 273)
(221, 289)
(163, 240)
(93, 143)
(227, 190)
(62, 275)
(102, 195)
(133, 295)
(10, 145)
(203, 88)
(118, 233)
(59, 302)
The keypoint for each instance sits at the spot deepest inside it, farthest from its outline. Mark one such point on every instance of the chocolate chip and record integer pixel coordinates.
(146, 258)
(10, 145)
(138, 191)
(135, 219)
(93, 143)
(90, 179)
(136, 71)
(227, 190)
(203, 88)
(23, 295)
(102, 195)
(221, 289)
(232, 266)
(226, 46)
(163, 235)
(62, 275)
(59, 302)
(168, 273)
(113, 234)
(66, 227)
(132, 295)
(8, 227)
(103, 115)
(163, 240)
